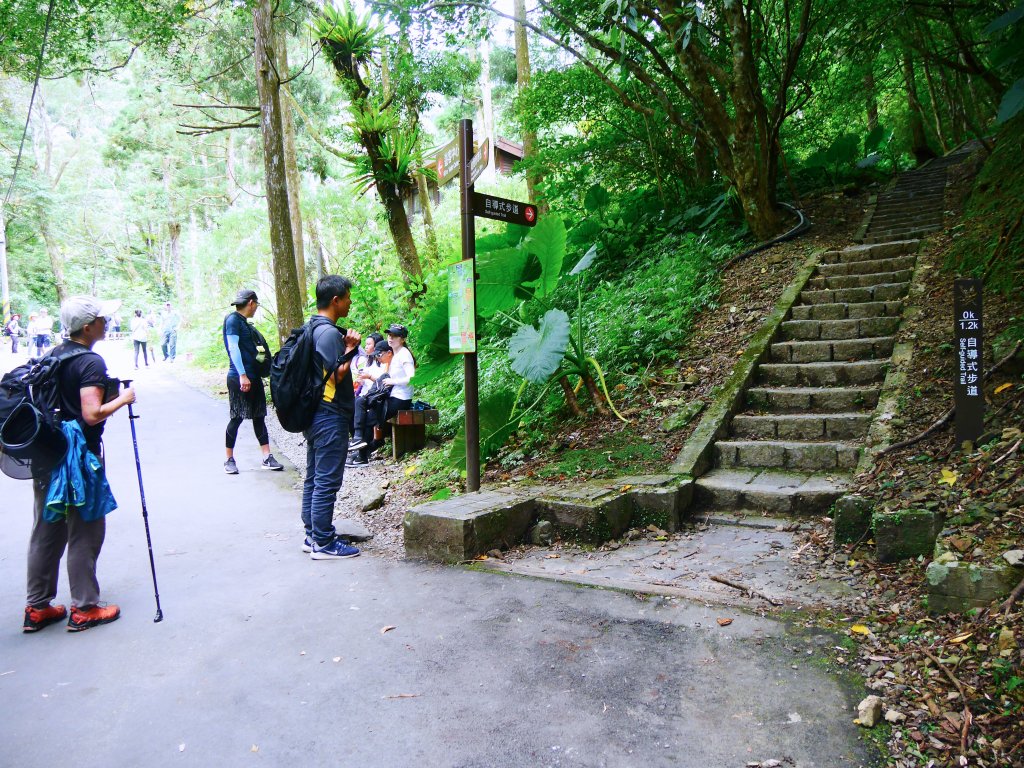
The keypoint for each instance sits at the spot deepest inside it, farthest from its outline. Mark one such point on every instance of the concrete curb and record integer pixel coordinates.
(695, 458)
(862, 230)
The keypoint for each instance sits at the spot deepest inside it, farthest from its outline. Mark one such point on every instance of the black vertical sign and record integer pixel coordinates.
(969, 396)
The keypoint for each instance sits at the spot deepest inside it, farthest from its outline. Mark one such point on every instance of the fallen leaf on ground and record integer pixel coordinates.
(724, 622)
(401, 696)
(961, 638)
(386, 629)
(254, 748)
(860, 629)
(336, 659)
(1003, 387)
(950, 477)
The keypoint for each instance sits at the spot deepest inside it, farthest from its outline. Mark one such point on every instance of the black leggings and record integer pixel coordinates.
(259, 426)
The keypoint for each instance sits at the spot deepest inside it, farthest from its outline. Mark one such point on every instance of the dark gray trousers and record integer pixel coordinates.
(46, 547)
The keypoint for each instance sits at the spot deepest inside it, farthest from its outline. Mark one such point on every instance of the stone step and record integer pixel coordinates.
(906, 222)
(786, 454)
(845, 311)
(824, 350)
(855, 328)
(882, 292)
(905, 196)
(801, 426)
(859, 281)
(875, 266)
(786, 493)
(869, 252)
(812, 399)
(884, 236)
(822, 374)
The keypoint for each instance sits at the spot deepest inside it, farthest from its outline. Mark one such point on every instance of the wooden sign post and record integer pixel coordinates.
(473, 204)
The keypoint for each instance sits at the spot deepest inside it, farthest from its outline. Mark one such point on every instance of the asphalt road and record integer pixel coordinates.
(268, 658)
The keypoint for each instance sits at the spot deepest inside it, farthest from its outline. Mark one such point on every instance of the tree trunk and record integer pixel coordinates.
(5, 290)
(231, 186)
(428, 214)
(292, 172)
(174, 236)
(401, 233)
(533, 177)
(871, 94)
(936, 111)
(56, 257)
(318, 248)
(286, 288)
(918, 140)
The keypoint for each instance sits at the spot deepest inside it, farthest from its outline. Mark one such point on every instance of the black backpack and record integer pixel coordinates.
(32, 441)
(295, 388)
(36, 382)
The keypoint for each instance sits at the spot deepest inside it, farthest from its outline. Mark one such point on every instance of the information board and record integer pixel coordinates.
(461, 308)
(969, 395)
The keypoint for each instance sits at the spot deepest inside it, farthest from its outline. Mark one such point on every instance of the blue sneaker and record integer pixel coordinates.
(307, 545)
(336, 550)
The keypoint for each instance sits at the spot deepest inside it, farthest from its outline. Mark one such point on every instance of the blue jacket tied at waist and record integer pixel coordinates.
(79, 481)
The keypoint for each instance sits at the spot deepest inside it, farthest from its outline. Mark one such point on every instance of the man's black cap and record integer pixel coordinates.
(244, 296)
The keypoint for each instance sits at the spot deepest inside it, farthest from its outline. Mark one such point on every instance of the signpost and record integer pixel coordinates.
(969, 397)
(462, 280)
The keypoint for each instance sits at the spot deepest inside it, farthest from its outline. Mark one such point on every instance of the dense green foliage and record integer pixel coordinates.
(663, 140)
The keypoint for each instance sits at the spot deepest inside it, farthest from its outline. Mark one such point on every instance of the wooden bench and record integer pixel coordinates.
(409, 431)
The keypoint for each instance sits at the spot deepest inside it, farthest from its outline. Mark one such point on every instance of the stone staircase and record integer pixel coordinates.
(914, 207)
(794, 448)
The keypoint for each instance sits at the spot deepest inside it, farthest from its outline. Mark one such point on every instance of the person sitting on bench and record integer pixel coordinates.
(397, 367)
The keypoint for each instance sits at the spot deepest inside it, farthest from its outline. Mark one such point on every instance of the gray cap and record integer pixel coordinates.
(79, 311)
(244, 296)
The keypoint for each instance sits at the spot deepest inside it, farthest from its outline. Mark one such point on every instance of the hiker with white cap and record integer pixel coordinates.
(86, 395)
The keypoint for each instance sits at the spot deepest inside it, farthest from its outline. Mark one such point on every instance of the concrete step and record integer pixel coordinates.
(869, 252)
(859, 281)
(786, 454)
(875, 266)
(825, 350)
(785, 493)
(844, 311)
(801, 426)
(812, 399)
(856, 328)
(822, 374)
(883, 292)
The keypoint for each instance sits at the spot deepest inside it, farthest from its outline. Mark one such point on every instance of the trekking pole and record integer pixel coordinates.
(145, 514)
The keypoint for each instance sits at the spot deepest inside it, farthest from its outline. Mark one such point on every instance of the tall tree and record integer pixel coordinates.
(389, 153)
(523, 83)
(268, 81)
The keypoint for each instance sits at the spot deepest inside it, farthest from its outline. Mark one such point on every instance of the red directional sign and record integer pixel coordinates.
(491, 207)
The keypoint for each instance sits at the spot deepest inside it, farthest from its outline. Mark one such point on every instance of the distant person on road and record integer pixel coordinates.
(169, 322)
(140, 337)
(42, 331)
(14, 331)
(327, 436)
(83, 388)
(246, 397)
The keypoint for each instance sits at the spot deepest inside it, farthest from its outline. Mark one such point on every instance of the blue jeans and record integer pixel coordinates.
(326, 450)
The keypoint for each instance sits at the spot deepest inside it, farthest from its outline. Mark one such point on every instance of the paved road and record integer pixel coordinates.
(266, 657)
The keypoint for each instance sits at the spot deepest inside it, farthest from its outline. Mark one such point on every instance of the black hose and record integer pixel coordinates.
(802, 225)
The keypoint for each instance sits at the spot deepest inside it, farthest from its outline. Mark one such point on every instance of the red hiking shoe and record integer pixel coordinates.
(83, 618)
(37, 618)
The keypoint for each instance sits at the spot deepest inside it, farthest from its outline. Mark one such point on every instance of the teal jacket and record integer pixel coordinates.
(79, 481)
